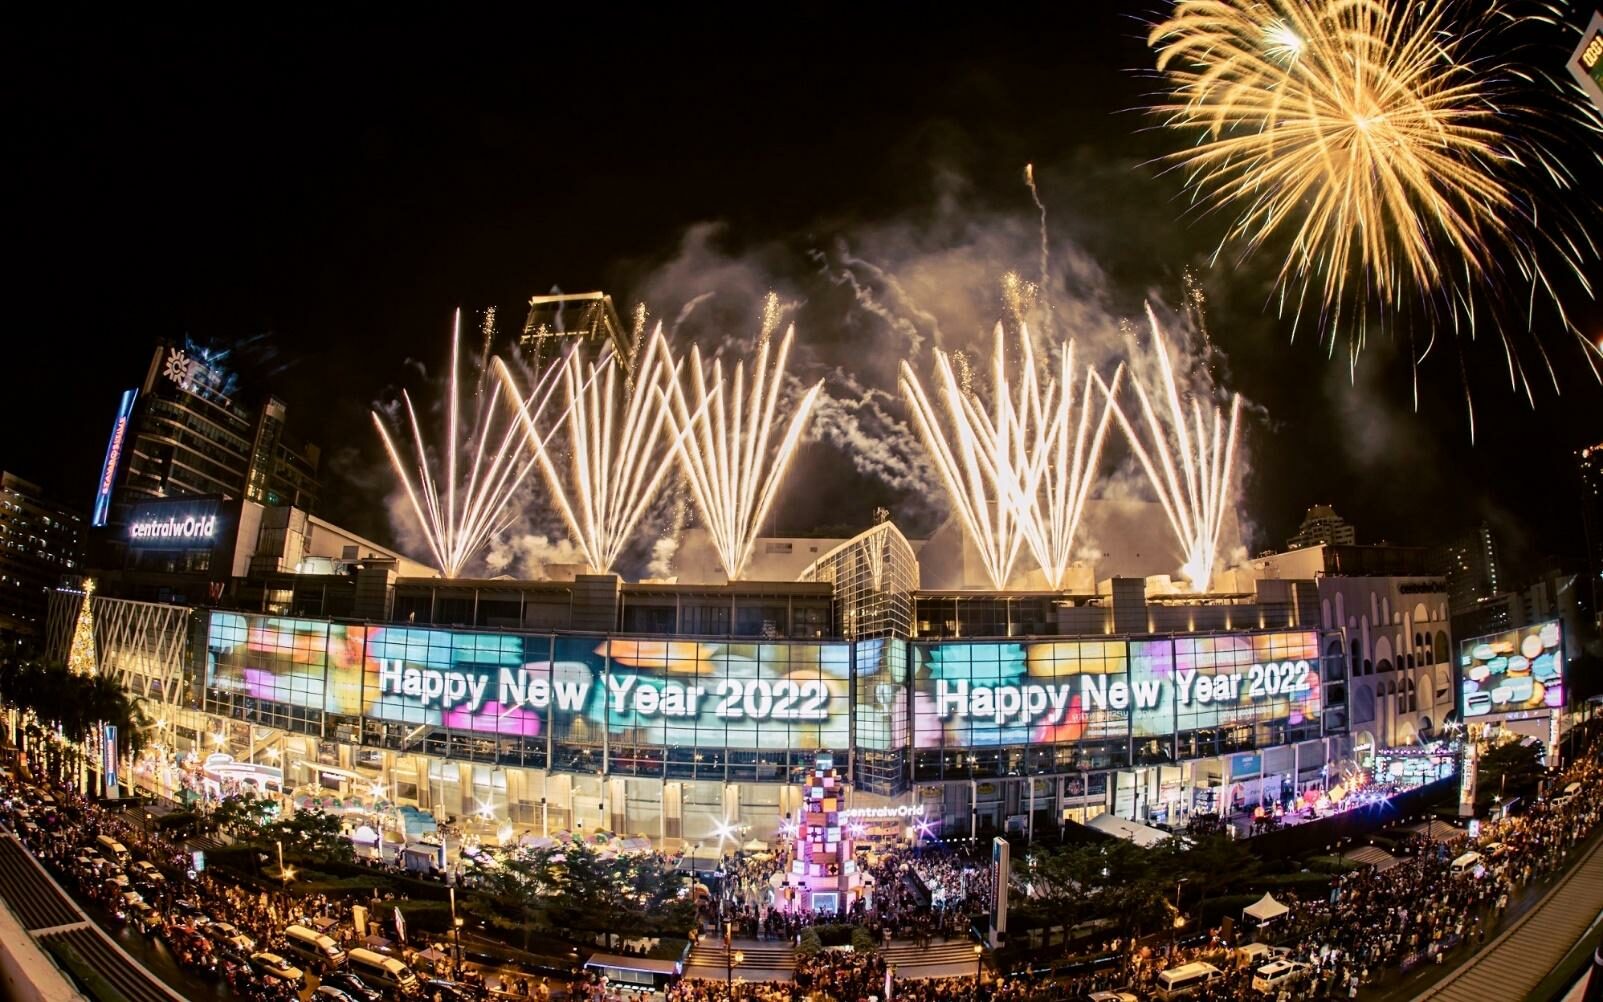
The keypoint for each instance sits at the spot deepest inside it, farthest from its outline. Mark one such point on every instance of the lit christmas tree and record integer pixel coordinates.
(824, 869)
(81, 659)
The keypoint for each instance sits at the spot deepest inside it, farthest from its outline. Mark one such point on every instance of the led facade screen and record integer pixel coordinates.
(587, 690)
(1512, 671)
(614, 696)
(989, 694)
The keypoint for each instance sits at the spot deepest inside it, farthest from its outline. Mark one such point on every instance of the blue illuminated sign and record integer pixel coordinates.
(108, 469)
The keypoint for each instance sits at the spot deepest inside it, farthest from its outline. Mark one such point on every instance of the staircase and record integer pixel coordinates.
(763, 961)
(951, 959)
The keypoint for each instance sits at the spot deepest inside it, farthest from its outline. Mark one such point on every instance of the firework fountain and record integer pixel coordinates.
(724, 437)
(619, 446)
(1188, 461)
(1018, 474)
(458, 517)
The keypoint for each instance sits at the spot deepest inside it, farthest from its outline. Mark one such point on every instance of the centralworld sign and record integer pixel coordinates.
(189, 528)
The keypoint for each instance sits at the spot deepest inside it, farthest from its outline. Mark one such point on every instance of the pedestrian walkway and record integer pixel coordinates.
(761, 960)
(951, 959)
(1518, 960)
(767, 960)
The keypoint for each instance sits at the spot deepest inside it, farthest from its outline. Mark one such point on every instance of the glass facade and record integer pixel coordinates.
(990, 709)
(875, 575)
(897, 713)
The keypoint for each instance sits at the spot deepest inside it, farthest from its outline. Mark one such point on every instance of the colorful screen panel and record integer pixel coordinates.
(1512, 671)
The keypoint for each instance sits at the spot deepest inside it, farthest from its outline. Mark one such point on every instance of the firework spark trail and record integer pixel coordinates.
(773, 312)
(724, 442)
(1029, 181)
(1018, 473)
(1191, 473)
(1402, 147)
(618, 452)
(456, 539)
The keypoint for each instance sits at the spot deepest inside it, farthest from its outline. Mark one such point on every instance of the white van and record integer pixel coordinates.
(1270, 977)
(113, 850)
(385, 973)
(1255, 954)
(320, 952)
(1466, 863)
(1187, 979)
(1568, 795)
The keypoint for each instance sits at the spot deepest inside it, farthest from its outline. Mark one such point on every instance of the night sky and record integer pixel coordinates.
(342, 186)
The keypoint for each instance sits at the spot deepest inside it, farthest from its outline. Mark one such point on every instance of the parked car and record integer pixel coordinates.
(353, 986)
(450, 991)
(275, 966)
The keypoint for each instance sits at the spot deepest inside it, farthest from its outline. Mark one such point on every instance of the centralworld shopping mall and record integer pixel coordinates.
(276, 650)
(689, 713)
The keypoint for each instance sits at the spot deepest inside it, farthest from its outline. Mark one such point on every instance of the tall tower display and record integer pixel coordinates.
(824, 868)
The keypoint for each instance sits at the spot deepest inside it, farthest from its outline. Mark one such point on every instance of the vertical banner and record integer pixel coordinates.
(1001, 870)
(1466, 778)
(108, 468)
(108, 759)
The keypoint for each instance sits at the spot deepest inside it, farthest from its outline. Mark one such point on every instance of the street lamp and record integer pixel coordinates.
(979, 963)
(734, 960)
(456, 929)
(1179, 919)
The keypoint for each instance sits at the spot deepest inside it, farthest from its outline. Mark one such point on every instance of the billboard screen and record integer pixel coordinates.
(1512, 671)
(642, 692)
(988, 694)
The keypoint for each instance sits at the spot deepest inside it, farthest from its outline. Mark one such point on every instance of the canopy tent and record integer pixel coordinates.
(755, 845)
(1265, 909)
(1132, 831)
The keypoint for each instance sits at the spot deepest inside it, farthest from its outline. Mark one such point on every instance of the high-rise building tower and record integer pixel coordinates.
(1321, 525)
(1472, 568)
(191, 431)
(1590, 462)
(553, 321)
(40, 540)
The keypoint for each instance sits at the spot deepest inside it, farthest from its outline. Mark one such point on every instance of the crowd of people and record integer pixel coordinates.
(1365, 925)
(212, 925)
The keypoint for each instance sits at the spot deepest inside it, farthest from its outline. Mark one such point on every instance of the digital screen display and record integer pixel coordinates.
(1512, 671)
(988, 694)
(1591, 57)
(643, 692)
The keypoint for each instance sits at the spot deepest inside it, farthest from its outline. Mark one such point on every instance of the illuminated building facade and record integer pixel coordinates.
(40, 540)
(487, 698)
(193, 433)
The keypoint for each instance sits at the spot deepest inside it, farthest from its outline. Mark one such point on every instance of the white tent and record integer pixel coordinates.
(1142, 835)
(1265, 909)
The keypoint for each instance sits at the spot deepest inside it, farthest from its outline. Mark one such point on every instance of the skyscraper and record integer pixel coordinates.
(1472, 568)
(1321, 524)
(1590, 462)
(192, 432)
(553, 321)
(40, 540)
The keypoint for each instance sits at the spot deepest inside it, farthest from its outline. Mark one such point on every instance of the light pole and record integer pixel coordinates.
(1179, 919)
(979, 964)
(456, 929)
(733, 959)
(283, 874)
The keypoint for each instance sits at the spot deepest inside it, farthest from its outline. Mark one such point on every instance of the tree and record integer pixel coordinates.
(512, 894)
(244, 817)
(312, 835)
(572, 888)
